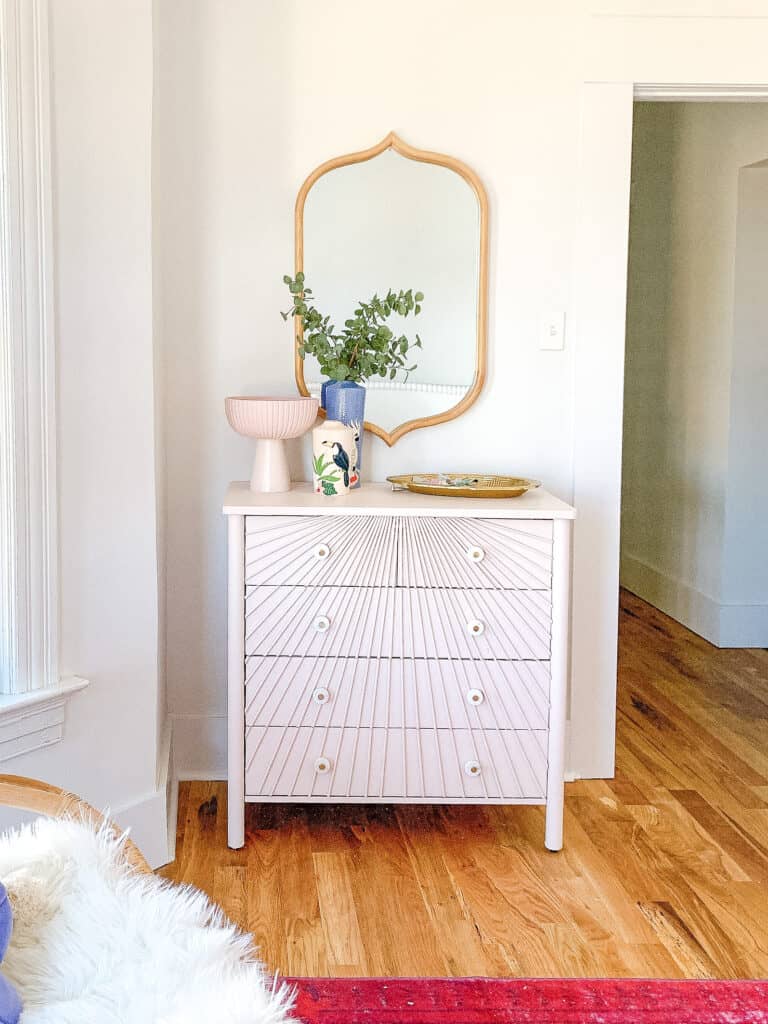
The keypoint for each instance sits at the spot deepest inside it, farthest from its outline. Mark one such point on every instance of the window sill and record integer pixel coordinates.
(29, 721)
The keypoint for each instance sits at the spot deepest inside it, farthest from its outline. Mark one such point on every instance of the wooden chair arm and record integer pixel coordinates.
(51, 802)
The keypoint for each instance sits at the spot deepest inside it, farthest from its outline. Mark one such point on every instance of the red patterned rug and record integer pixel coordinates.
(525, 1001)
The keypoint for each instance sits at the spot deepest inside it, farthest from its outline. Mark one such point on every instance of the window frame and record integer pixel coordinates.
(29, 620)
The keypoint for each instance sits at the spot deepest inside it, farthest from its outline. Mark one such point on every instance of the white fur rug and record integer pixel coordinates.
(96, 943)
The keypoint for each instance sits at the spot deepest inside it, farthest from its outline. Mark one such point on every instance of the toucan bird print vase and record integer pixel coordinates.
(345, 401)
(333, 443)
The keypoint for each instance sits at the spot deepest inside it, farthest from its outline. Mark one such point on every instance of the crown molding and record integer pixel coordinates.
(673, 92)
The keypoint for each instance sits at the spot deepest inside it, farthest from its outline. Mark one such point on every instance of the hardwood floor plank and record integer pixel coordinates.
(680, 942)
(305, 952)
(344, 947)
(231, 887)
(664, 871)
(750, 855)
(385, 892)
(445, 906)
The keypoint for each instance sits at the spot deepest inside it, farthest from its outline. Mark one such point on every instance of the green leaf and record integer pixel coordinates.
(419, 296)
(365, 347)
(319, 464)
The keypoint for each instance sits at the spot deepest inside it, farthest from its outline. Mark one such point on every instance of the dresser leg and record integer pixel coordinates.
(235, 819)
(561, 585)
(553, 839)
(236, 684)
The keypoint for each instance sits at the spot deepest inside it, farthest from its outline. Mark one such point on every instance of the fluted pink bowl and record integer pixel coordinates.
(276, 418)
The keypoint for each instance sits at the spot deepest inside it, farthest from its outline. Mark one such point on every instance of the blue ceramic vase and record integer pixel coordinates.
(345, 401)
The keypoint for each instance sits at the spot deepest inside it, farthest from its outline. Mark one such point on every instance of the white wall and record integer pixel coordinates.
(245, 117)
(680, 356)
(245, 110)
(241, 116)
(745, 542)
(102, 121)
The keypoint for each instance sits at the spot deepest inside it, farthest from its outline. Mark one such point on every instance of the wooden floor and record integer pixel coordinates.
(664, 872)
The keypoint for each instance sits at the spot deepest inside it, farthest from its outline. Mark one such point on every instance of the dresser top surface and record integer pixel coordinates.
(380, 499)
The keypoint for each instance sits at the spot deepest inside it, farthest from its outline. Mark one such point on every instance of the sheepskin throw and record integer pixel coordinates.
(96, 943)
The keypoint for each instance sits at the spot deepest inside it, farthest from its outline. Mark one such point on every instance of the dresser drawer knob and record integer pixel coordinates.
(321, 695)
(323, 765)
(475, 554)
(475, 696)
(322, 551)
(322, 624)
(472, 767)
(475, 627)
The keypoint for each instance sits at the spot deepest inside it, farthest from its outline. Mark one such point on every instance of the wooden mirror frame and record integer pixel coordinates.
(393, 141)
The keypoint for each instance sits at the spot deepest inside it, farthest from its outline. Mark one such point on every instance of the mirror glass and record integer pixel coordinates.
(400, 223)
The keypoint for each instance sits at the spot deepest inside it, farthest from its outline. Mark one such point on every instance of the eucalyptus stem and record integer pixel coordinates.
(366, 347)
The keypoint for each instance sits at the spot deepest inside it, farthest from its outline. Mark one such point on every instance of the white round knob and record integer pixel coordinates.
(321, 695)
(475, 627)
(475, 696)
(475, 554)
(322, 551)
(322, 624)
(322, 765)
(472, 767)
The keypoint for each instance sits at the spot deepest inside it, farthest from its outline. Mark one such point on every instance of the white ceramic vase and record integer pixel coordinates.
(332, 457)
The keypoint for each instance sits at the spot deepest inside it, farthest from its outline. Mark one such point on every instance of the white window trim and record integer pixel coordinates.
(29, 721)
(29, 613)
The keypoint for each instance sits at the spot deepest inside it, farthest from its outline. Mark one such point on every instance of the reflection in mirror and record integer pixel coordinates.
(390, 221)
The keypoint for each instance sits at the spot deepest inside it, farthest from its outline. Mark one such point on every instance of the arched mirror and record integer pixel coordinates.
(395, 217)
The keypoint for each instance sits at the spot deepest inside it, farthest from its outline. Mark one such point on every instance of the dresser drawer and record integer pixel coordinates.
(484, 624)
(397, 622)
(394, 764)
(319, 621)
(396, 692)
(350, 551)
(498, 554)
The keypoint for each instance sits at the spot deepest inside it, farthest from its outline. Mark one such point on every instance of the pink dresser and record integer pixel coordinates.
(398, 648)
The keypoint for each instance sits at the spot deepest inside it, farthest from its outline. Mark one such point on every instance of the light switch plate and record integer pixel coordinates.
(552, 331)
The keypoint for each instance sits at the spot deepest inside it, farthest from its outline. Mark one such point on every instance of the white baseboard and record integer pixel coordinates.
(200, 746)
(685, 604)
(152, 818)
(724, 625)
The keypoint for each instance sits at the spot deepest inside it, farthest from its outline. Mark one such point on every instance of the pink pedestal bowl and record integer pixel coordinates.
(270, 421)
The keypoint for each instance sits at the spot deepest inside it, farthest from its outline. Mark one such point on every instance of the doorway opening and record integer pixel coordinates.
(694, 529)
